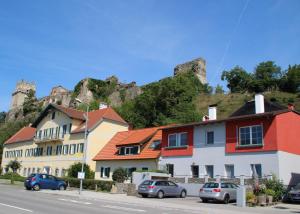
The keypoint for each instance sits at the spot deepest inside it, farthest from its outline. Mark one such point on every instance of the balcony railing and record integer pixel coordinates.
(51, 138)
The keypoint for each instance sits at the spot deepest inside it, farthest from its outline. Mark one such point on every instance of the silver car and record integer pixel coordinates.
(160, 189)
(294, 194)
(225, 192)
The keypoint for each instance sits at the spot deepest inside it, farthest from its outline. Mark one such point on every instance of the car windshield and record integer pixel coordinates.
(297, 187)
(147, 183)
(211, 185)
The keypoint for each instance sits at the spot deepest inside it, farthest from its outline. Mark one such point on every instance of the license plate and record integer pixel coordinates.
(207, 190)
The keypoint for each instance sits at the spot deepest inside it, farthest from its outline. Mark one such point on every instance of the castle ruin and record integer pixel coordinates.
(197, 66)
(22, 90)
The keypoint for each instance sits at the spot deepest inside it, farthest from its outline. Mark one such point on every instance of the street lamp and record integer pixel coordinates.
(84, 144)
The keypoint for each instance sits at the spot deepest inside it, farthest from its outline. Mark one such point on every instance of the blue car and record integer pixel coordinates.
(44, 181)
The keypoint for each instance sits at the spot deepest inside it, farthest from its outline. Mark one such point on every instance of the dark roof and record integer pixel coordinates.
(249, 108)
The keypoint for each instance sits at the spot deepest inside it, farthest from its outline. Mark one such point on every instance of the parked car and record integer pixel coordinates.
(44, 181)
(224, 192)
(294, 194)
(160, 189)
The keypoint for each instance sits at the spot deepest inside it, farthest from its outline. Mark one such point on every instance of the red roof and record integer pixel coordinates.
(73, 113)
(109, 151)
(24, 134)
(96, 116)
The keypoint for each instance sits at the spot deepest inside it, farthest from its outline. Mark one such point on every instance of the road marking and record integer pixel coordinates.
(19, 208)
(74, 201)
(123, 208)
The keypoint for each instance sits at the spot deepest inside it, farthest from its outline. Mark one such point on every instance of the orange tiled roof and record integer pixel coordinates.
(24, 134)
(109, 151)
(98, 115)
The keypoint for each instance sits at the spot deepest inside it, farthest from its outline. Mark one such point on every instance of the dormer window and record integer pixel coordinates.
(155, 144)
(128, 150)
(53, 115)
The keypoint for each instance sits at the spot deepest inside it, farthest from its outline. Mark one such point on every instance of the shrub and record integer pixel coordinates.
(119, 175)
(250, 197)
(277, 186)
(76, 167)
(270, 192)
(16, 176)
(89, 184)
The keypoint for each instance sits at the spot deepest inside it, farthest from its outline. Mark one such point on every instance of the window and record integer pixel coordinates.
(25, 172)
(70, 127)
(53, 115)
(58, 149)
(209, 170)
(40, 134)
(38, 170)
(49, 150)
(56, 172)
(130, 171)
(229, 169)
(178, 139)
(210, 137)
(105, 172)
(155, 144)
(65, 149)
(51, 133)
(72, 149)
(170, 169)
(63, 173)
(80, 147)
(256, 170)
(195, 171)
(251, 135)
(64, 130)
(145, 168)
(132, 150)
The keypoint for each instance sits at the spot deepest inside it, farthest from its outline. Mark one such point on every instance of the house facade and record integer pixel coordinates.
(56, 139)
(259, 139)
(132, 150)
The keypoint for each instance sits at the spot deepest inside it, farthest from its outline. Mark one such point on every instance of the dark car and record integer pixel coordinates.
(294, 194)
(161, 189)
(44, 181)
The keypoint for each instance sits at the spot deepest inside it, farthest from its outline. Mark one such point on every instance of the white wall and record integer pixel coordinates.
(288, 164)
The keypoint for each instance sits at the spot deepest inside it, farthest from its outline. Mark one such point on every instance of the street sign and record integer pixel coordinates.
(81, 175)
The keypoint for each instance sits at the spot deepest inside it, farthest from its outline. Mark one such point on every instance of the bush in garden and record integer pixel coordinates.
(76, 167)
(119, 175)
(277, 186)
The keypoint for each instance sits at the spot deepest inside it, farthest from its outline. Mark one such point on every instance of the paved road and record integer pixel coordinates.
(16, 200)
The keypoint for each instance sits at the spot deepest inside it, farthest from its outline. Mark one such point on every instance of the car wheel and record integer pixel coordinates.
(183, 194)
(62, 187)
(160, 194)
(226, 199)
(204, 200)
(144, 195)
(36, 187)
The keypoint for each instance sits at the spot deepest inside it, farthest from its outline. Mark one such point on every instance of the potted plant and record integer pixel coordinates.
(260, 192)
(270, 195)
(250, 198)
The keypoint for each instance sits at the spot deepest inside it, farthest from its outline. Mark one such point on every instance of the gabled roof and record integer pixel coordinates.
(144, 137)
(24, 134)
(95, 117)
(249, 108)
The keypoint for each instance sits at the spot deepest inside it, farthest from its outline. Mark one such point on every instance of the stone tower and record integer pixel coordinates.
(22, 90)
(197, 66)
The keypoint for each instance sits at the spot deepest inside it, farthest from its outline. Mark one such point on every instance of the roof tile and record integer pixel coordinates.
(24, 134)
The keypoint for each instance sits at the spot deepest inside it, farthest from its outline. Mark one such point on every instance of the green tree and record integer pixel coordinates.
(238, 79)
(290, 82)
(30, 104)
(76, 167)
(267, 75)
(2, 117)
(119, 175)
(219, 89)
(14, 165)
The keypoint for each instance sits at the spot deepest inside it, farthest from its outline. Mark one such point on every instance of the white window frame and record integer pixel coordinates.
(72, 149)
(65, 149)
(251, 144)
(102, 175)
(178, 140)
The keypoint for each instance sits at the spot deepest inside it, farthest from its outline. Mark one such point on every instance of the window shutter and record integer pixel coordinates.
(101, 175)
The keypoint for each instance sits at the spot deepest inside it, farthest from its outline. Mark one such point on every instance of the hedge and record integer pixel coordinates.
(89, 184)
(16, 177)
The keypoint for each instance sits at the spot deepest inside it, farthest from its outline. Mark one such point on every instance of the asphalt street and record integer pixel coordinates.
(14, 199)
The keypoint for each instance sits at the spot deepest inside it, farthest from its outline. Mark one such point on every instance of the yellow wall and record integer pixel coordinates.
(97, 138)
(151, 164)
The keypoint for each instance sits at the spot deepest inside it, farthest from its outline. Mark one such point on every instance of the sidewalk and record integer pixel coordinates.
(188, 204)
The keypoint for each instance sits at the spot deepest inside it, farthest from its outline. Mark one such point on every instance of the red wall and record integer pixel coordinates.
(188, 151)
(289, 134)
(269, 134)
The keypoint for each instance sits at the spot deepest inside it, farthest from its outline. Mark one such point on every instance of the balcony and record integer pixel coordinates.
(50, 139)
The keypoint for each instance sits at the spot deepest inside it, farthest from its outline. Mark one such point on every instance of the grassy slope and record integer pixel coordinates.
(228, 103)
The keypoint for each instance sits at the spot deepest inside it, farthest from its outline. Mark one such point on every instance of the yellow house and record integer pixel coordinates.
(56, 139)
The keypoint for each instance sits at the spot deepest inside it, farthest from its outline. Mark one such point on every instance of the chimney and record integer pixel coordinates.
(212, 112)
(291, 107)
(259, 104)
(102, 105)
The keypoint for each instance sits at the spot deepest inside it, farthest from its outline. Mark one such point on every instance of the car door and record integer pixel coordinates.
(164, 187)
(52, 182)
(43, 181)
(233, 189)
(173, 188)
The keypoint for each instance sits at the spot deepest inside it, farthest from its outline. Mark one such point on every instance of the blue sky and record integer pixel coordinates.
(59, 42)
